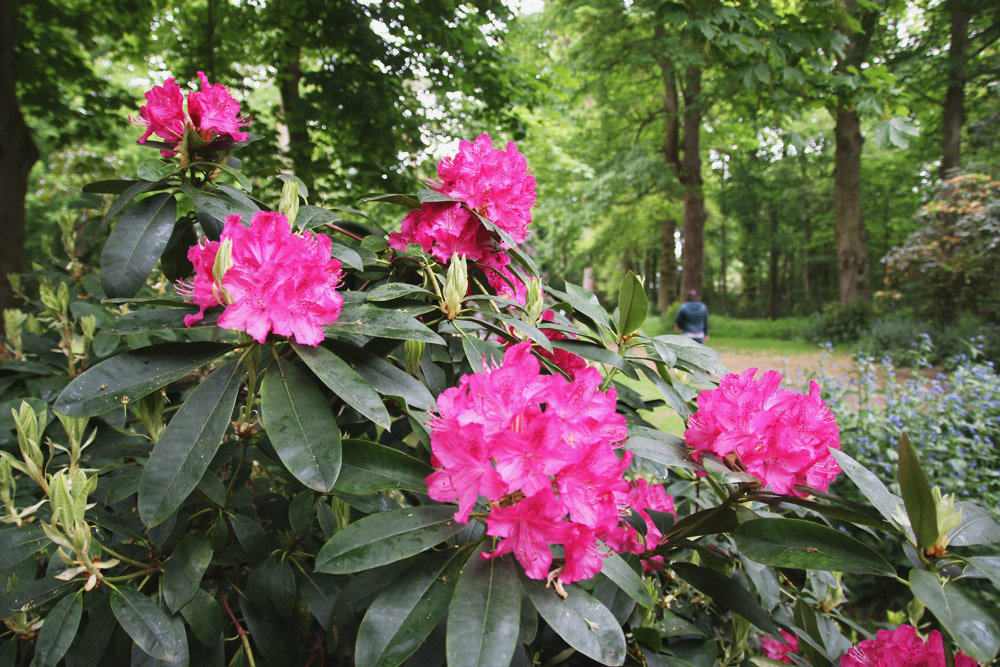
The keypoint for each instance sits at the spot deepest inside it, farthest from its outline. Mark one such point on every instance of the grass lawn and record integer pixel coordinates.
(738, 345)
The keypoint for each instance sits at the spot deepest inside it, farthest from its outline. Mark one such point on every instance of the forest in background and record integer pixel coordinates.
(770, 155)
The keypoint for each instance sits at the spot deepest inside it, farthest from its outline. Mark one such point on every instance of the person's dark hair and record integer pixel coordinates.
(692, 295)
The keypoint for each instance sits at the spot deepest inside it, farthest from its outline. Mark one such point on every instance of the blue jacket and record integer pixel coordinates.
(692, 317)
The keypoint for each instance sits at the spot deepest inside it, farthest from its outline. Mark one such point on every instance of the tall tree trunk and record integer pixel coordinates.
(692, 257)
(851, 235)
(17, 155)
(668, 264)
(953, 111)
(289, 78)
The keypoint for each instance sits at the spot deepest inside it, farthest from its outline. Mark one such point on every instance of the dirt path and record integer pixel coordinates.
(795, 363)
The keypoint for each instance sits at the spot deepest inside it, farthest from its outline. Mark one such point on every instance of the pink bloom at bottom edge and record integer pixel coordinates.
(780, 650)
(902, 647)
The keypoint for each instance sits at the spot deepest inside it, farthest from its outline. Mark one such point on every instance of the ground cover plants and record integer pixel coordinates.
(271, 433)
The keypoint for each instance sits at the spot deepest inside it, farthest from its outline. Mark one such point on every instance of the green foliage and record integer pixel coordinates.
(840, 324)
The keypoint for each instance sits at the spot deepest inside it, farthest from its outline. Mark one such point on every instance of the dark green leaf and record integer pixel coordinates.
(148, 625)
(585, 303)
(369, 467)
(142, 321)
(483, 618)
(530, 332)
(31, 594)
(133, 374)
(61, 624)
(988, 566)
(108, 187)
(136, 243)
(310, 217)
(673, 397)
(250, 535)
(660, 447)
(301, 426)
(806, 545)
(218, 204)
(977, 527)
(347, 256)
(390, 291)
(431, 196)
(179, 460)
(582, 622)
(973, 628)
(408, 201)
(887, 503)
(727, 594)
(387, 379)
(183, 572)
(300, 509)
(345, 382)
(596, 353)
(619, 571)
(270, 632)
(633, 306)
(154, 170)
(387, 537)
(370, 320)
(204, 616)
(476, 349)
(917, 496)
(16, 544)
(403, 615)
(133, 190)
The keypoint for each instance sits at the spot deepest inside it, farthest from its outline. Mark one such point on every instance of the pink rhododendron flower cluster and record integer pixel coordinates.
(494, 183)
(776, 649)
(279, 281)
(777, 435)
(211, 112)
(902, 647)
(541, 450)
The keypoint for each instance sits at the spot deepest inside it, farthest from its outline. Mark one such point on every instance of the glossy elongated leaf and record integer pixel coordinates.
(917, 496)
(204, 616)
(183, 573)
(148, 625)
(108, 187)
(136, 243)
(484, 618)
(528, 331)
(347, 256)
(673, 397)
(154, 170)
(142, 321)
(806, 545)
(310, 217)
(344, 381)
(477, 349)
(977, 527)
(300, 425)
(585, 303)
(61, 624)
(582, 622)
(387, 537)
(133, 190)
(16, 544)
(370, 320)
(727, 594)
(369, 467)
(988, 566)
(133, 374)
(218, 204)
(972, 627)
(659, 447)
(633, 306)
(887, 503)
(390, 291)
(619, 571)
(31, 594)
(596, 353)
(403, 615)
(179, 460)
(385, 378)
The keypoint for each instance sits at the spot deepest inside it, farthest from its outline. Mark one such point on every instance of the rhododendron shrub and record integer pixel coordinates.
(346, 481)
(902, 647)
(277, 282)
(781, 437)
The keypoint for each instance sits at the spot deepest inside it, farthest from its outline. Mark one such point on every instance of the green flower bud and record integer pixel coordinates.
(223, 262)
(88, 325)
(456, 286)
(414, 350)
(948, 518)
(289, 204)
(536, 299)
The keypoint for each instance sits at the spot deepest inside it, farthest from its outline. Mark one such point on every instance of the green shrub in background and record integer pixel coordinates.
(840, 324)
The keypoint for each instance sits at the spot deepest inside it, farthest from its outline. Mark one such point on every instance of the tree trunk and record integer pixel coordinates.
(289, 77)
(692, 257)
(953, 111)
(851, 235)
(668, 264)
(17, 155)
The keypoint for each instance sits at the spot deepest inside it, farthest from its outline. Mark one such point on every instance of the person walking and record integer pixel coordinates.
(692, 318)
